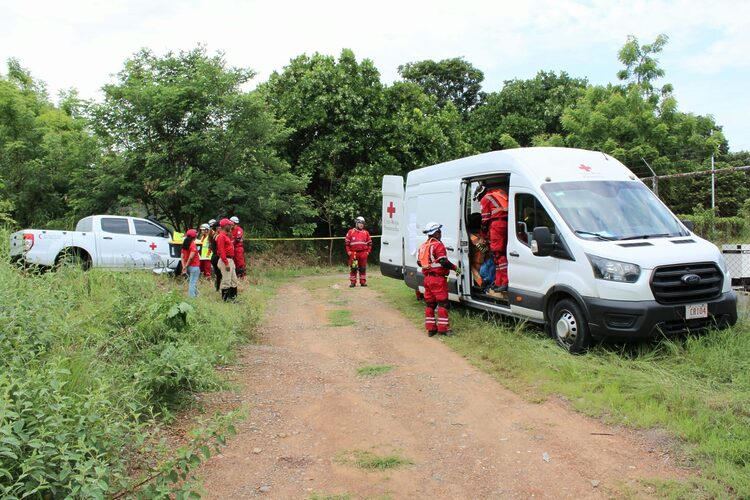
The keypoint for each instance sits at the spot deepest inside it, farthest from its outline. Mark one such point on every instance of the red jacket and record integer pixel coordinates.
(494, 205)
(224, 247)
(358, 240)
(237, 234)
(432, 255)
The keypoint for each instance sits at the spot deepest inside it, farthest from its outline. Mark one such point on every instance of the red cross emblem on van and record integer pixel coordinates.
(152, 246)
(585, 167)
(391, 210)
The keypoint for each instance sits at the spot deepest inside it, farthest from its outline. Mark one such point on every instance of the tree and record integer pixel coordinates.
(41, 149)
(524, 112)
(185, 142)
(636, 125)
(640, 67)
(333, 108)
(450, 80)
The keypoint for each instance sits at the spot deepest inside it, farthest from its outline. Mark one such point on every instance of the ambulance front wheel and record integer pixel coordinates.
(568, 326)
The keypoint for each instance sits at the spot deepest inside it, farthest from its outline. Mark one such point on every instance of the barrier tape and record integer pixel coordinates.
(250, 238)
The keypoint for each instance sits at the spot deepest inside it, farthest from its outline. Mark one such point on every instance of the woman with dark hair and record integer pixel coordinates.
(191, 262)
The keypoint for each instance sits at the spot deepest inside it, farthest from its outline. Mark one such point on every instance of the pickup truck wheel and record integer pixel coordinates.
(569, 326)
(73, 260)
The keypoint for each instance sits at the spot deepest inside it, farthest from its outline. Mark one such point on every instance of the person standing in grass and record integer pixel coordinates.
(238, 235)
(191, 263)
(225, 249)
(212, 235)
(433, 259)
(205, 252)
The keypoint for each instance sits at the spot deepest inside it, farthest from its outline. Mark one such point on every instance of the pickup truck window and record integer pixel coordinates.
(118, 226)
(85, 224)
(147, 229)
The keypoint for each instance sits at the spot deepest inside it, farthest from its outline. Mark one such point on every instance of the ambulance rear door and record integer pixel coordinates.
(392, 240)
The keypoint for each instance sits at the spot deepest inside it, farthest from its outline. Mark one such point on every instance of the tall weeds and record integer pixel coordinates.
(89, 364)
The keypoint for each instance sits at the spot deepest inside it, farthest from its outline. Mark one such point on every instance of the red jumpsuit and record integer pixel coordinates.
(239, 250)
(495, 219)
(431, 253)
(358, 245)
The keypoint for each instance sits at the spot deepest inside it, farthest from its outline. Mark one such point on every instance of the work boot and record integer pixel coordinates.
(233, 293)
(363, 284)
(225, 294)
(431, 333)
(352, 285)
(448, 333)
(500, 289)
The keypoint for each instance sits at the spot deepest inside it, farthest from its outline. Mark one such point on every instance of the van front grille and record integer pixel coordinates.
(678, 284)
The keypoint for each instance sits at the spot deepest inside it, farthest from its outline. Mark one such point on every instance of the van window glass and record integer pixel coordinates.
(530, 214)
(147, 229)
(612, 210)
(86, 224)
(118, 226)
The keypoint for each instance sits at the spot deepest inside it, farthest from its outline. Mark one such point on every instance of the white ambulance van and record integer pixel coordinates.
(592, 252)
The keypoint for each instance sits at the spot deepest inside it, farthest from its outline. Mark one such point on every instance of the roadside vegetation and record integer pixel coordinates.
(93, 366)
(694, 390)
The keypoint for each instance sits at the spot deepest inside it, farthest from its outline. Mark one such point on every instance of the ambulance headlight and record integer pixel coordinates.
(614, 270)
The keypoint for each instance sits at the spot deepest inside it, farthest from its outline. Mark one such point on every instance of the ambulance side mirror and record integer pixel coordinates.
(541, 245)
(689, 225)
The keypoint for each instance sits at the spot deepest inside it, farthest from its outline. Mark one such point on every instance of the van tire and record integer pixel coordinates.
(569, 327)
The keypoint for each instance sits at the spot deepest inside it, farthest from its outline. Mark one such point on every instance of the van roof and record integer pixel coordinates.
(538, 165)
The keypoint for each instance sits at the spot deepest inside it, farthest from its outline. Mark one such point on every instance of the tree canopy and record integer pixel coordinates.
(187, 143)
(180, 138)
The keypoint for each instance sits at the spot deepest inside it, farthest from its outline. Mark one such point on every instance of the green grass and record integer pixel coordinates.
(340, 317)
(93, 364)
(696, 389)
(369, 461)
(373, 370)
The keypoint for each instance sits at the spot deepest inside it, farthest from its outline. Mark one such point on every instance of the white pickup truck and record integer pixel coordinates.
(106, 241)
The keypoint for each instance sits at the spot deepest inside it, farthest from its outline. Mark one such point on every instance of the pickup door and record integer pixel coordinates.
(151, 245)
(115, 243)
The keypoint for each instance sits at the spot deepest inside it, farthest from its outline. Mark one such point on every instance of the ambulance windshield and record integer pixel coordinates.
(612, 210)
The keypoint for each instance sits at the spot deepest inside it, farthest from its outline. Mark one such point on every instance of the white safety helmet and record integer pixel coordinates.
(235, 219)
(359, 219)
(212, 222)
(479, 191)
(432, 228)
(205, 226)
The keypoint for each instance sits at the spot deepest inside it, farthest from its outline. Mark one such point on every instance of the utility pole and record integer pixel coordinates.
(713, 180)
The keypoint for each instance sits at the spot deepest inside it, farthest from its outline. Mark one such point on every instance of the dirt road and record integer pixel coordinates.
(464, 434)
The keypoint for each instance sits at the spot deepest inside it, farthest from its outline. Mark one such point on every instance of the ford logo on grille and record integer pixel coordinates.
(691, 279)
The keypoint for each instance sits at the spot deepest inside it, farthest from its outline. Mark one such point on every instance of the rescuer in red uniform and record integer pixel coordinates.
(358, 246)
(433, 259)
(494, 205)
(239, 250)
(225, 249)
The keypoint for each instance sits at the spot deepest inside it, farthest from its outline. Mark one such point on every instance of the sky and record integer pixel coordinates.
(84, 44)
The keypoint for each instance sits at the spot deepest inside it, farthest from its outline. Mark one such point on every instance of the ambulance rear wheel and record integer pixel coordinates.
(569, 327)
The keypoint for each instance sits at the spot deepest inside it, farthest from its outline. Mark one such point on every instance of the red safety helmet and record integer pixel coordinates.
(225, 222)
(191, 233)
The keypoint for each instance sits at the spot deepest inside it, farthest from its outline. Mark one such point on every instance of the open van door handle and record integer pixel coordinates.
(385, 243)
(106, 237)
(142, 241)
(513, 253)
(450, 249)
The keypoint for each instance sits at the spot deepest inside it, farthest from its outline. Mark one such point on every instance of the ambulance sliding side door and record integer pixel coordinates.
(392, 240)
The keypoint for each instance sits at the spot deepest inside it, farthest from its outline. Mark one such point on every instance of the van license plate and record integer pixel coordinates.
(694, 311)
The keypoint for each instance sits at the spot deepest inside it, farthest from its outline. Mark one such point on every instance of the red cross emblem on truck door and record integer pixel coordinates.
(585, 167)
(391, 210)
(152, 246)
